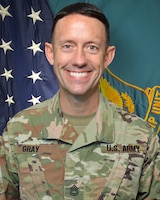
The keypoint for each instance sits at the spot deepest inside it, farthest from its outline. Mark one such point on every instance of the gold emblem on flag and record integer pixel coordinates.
(121, 99)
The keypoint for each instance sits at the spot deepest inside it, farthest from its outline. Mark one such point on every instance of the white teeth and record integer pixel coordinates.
(78, 74)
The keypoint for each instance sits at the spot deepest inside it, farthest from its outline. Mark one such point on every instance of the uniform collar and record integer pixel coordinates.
(100, 129)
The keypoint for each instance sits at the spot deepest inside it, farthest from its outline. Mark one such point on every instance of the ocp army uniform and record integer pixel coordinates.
(116, 156)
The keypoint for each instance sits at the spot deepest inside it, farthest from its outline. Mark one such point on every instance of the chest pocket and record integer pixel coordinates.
(123, 180)
(116, 175)
(32, 180)
(102, 174)
(41, 172)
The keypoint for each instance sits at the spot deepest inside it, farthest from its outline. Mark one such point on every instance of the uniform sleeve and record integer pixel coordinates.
(150, 177)
(8, 176)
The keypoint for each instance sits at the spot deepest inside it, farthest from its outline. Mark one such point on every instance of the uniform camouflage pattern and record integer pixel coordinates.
(117, 156)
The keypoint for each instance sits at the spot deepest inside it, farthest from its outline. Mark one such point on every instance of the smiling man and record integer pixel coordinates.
(79, 53)
(77, 145)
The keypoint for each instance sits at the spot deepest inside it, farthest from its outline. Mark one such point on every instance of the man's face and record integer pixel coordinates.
(78, 53)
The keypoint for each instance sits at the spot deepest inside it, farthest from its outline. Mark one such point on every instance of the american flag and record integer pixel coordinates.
(26, 78)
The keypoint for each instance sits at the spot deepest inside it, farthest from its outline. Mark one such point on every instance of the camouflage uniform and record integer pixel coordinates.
(43, 158)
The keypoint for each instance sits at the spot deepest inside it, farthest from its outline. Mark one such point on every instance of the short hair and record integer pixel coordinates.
(85, 9)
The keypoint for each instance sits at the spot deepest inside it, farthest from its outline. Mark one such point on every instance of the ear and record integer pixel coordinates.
(110, 53)
(49, 53)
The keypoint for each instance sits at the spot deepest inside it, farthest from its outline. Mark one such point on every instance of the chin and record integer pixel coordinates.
(78, 93)
(82, 93)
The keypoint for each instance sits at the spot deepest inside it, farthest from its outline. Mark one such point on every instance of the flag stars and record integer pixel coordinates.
(7, 74)
(34, 100)
(9, 100)
(35, 76)
(4, 12)
(6, 46)
(35, 16)
(35, 47)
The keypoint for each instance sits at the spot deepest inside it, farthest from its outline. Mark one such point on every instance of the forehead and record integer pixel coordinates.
(80, 24)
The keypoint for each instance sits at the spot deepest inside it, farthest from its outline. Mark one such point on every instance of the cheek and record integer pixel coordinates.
(56, 69)
(62, 59)
(100, 71)
(99, 65)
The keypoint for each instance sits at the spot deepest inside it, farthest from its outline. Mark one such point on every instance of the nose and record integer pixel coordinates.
(79, 58)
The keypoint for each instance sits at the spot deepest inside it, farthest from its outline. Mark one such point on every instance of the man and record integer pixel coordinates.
(78, 145)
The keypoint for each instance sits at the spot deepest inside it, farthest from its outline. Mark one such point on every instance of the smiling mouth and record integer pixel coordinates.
(78, 74)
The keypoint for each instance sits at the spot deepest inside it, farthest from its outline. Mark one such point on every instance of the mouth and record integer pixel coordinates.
(79, 74)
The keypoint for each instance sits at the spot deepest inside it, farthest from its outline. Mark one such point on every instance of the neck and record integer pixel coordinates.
(79, 105)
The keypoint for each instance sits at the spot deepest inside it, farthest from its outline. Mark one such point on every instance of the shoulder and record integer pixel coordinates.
(35, 110)
(125, 123)
(121, 114)
(30, 119)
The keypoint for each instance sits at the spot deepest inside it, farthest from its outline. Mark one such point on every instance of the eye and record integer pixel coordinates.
(67, 47)
(92, 48)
